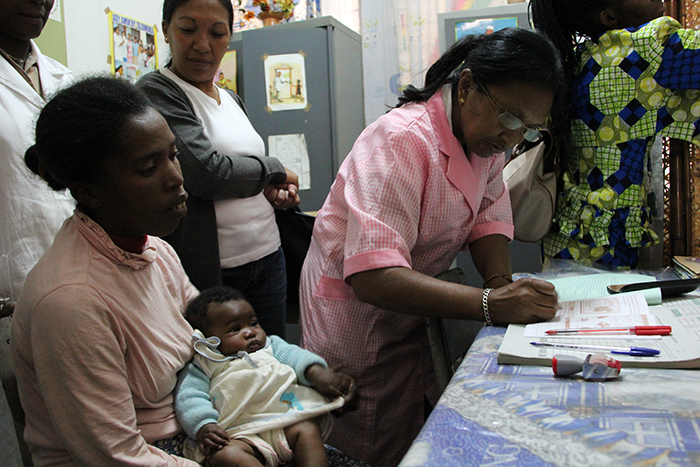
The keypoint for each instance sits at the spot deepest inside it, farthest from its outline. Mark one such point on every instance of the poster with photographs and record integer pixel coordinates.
(285, 81)
(133, 47)
(225, 76)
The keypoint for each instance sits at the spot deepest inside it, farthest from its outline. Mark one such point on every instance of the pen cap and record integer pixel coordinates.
(652, 330)
(566, 365)
(599, 367)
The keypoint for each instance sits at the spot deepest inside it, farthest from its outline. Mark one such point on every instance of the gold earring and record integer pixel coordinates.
(461, 100)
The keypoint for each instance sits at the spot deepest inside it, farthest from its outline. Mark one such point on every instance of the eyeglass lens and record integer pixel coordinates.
(509, 120)
(512, 122)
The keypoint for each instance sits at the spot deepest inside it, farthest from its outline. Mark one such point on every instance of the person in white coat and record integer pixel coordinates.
(30, 213)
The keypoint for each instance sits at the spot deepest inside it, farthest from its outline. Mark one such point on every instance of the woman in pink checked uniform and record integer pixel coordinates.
(421, 184)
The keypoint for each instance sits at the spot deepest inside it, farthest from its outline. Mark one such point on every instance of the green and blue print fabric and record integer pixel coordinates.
(634, 85)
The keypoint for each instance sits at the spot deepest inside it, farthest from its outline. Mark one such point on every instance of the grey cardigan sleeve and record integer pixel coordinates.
(208, 174)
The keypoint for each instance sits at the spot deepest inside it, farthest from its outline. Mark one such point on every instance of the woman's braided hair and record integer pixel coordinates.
(568, 24)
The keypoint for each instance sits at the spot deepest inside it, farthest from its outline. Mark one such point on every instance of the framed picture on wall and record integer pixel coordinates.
(453, 25)
(225, 77)
(285, 82)
(133, 47)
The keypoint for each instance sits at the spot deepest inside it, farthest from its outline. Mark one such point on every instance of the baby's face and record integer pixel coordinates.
(237, 326)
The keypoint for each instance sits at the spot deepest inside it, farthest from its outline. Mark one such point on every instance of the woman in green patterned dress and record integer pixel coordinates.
(634, 77)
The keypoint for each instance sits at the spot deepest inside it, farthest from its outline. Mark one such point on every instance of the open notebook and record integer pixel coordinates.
(679, 350)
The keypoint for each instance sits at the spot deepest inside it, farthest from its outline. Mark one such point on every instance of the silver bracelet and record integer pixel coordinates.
(485, 306)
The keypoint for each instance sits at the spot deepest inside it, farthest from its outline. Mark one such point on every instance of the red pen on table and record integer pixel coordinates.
(637, 330)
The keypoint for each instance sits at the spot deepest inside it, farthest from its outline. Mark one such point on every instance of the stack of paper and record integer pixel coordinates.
(681, 349)
(686, 267)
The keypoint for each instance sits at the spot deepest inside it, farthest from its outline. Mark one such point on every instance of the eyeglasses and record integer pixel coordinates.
(509, 120)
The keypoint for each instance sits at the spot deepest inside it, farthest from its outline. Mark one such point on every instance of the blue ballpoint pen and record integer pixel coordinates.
(634, 351)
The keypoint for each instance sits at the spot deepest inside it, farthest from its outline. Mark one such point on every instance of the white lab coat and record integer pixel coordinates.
(30, 212)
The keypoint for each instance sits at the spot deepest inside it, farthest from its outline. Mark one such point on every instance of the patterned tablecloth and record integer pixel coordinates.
(507, 415)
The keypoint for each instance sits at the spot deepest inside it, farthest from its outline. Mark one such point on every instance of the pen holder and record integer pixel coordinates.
(596, 367)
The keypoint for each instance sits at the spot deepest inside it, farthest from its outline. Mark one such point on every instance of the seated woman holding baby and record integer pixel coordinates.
(99, 334)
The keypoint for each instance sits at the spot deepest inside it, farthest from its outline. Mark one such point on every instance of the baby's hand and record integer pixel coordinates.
(211, 437)
(332, 383)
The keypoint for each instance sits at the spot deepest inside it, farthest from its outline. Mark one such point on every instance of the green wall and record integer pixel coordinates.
(52, 41)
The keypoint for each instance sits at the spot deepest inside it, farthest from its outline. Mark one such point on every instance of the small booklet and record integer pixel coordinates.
(595, 285)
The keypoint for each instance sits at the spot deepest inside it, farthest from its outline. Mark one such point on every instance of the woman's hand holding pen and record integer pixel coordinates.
(523, 301)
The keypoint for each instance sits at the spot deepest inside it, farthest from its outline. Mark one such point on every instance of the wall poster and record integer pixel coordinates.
(225, 77)
(133, 47)
(285, 81)
(292, 152)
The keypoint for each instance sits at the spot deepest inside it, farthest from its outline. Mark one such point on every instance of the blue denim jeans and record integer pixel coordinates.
(264, 284)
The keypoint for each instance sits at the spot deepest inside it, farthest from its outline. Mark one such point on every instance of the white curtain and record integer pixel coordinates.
(345, 11)
(400, 42)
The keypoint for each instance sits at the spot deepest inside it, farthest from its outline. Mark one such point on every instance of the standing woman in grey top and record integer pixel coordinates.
(230, 232)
